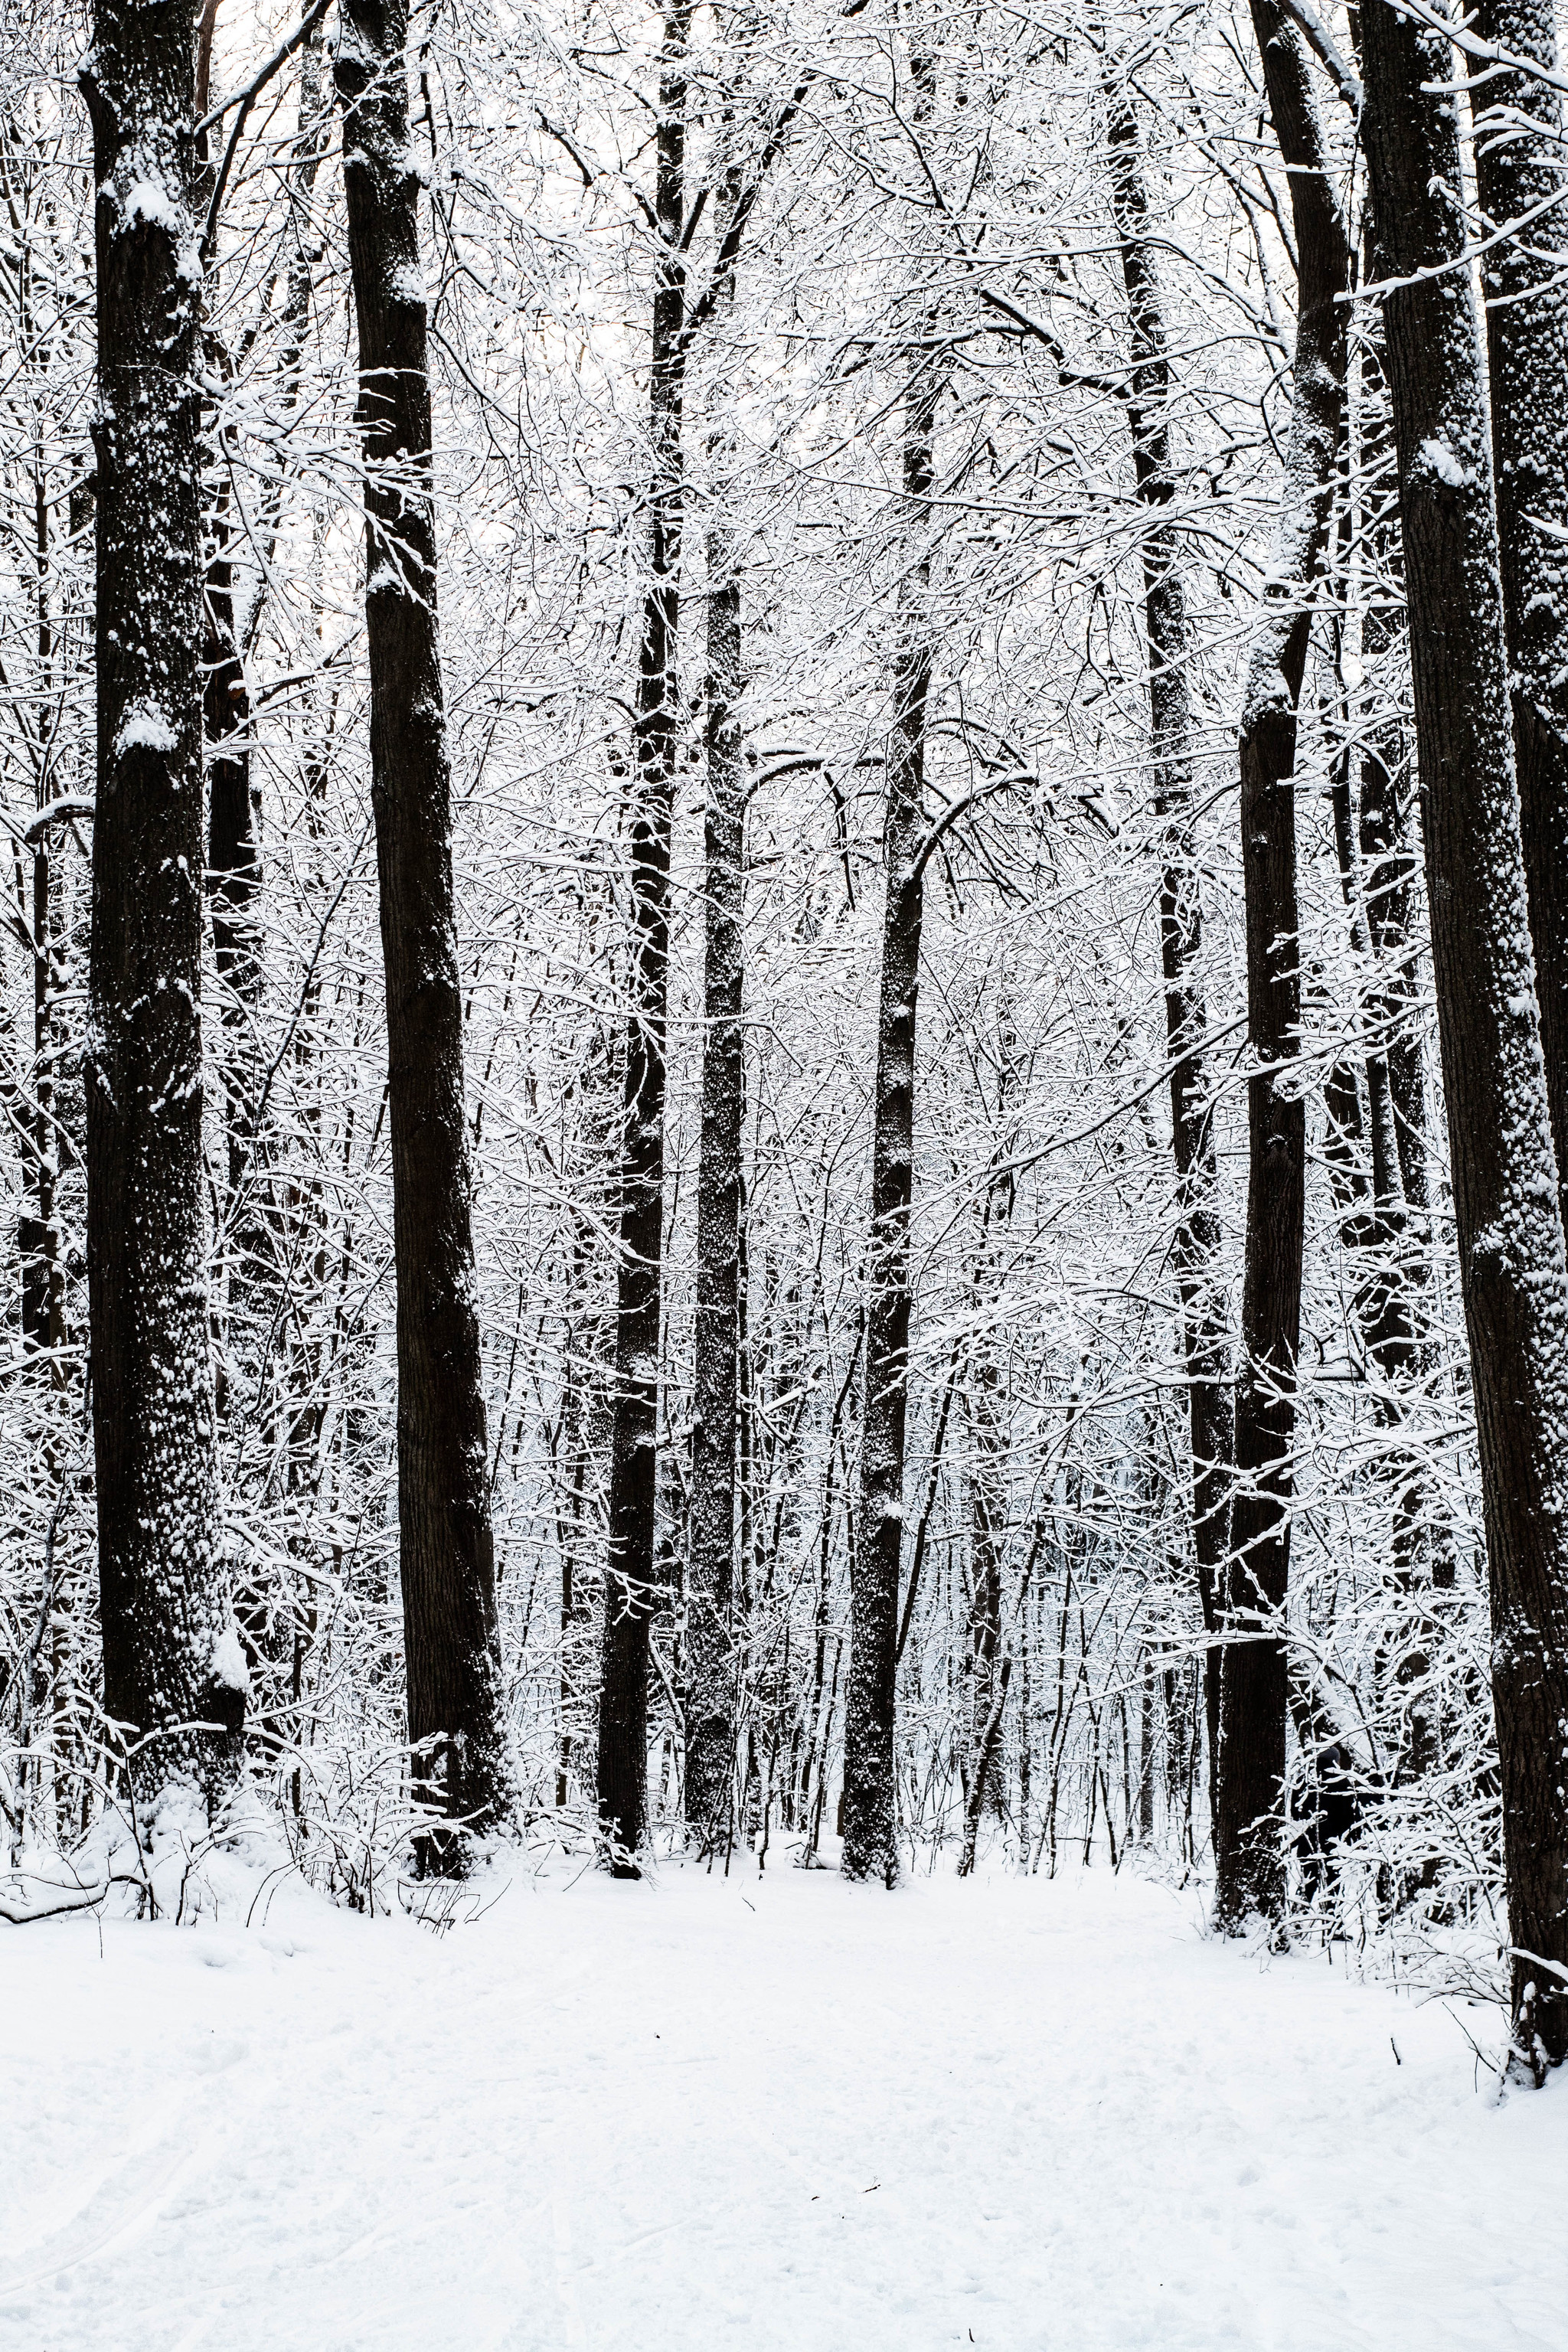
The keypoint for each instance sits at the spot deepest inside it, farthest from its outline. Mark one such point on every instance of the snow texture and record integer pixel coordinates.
(1445, 465)
(147, 200)
(229, 1670)
(144, 729)
(783, 2115)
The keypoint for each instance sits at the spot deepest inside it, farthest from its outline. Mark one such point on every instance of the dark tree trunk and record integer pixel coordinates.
(1249, 1853)
(870, 1844)
(1146, 1752)
(1521, 176)
(1204, 1336)
(457, 1703)
(1387, 814)
(171, 1652)
(1375, 1224)
(1405, 1353)
(234, 799)
(711, 1650)
(1513, 1269)
(233, 874)
(631, 1595)
(234, 865)
(39, 1230)
(986, 1666)
(1388, 869)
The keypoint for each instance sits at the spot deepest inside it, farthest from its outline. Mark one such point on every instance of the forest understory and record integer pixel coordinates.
(753, 2110)
(784, 1172)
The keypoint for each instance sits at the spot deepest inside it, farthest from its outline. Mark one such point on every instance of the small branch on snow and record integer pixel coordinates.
(67, 810)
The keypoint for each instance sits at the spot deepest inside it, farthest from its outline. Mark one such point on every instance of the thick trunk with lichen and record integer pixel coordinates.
(1254, 1699)
(1513, 1266)
(174, 1675)
(456, 1700)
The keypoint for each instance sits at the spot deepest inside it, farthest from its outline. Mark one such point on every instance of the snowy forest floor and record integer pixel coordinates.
(773, 2113)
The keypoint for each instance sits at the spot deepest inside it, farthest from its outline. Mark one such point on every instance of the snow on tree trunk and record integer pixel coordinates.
(1521, 178)
(234, 865)
(1250, 1856)
(1402, 1347)
(456, 1704)
(1204, 1334)
(870, 1844)
(630, 1594)
(1513, 1273)
(711, 1694)
(986, 1670)
(174, 1674)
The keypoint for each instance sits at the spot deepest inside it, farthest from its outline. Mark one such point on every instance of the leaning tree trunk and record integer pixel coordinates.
(870, 1845)
(710, 1695)
(174, 1676)
(1204, 1336)
(1513, 1269)
(1521, 176)
(631, 1596)
(456, 1710)
(1254, 1704)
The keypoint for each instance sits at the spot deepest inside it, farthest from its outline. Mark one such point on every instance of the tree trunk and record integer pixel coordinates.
(1401, 1349)
(630, 1594)
(174, 1675)
(1146, 1751)
(1521, 176)
(234, 801)
(870, 1846)
(1250, 1855)
(985, 1401)
(711, 1703)
(233, 867)
(1377, 1223)
(457, 1703)
(1205, 1337)
(1513, 1273)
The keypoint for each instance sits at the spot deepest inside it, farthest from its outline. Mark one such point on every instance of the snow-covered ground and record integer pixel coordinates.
(776, 2113)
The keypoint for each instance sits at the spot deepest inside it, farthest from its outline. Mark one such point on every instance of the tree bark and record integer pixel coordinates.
(985, 1396)
(457, 1705)
(233, 799)
(1205, 1344)
(870, 1844)
(1249, 1854)
(631, 1595)
(1372, 1202)
(711, 1650)
(1521, 177)
(233, 867)
(1513, 1272)
(174, 1675)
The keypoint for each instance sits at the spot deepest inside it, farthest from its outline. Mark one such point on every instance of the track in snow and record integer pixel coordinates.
(785, 2115)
